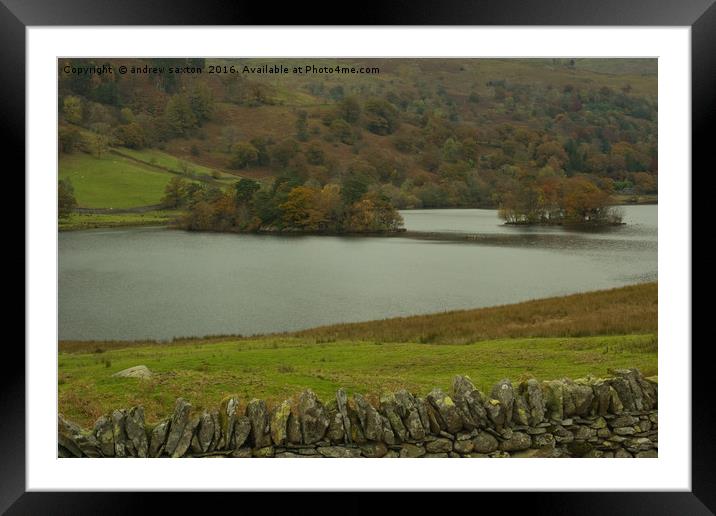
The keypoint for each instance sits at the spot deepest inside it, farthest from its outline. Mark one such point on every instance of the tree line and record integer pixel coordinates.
(249, 206)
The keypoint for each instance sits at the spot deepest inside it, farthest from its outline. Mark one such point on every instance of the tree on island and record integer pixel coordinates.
(550, 199)
(284, 206)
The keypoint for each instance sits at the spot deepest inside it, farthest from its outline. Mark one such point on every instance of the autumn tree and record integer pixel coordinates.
(174, 193)
(72, 109)
(302, 209)
(373, 213)
(179, 115)
(66, 201)
(243, 155)
(302, 125)
(381, 116)
(130, 135)
(583, 201)
(349, 109)
(69, 139)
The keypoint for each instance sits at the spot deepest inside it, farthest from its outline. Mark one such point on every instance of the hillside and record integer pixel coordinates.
(417, 132)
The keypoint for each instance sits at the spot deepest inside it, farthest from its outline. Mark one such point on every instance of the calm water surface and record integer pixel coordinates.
(156, 283)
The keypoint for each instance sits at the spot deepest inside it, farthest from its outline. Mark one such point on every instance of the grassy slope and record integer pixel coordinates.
(112, 181)
(127, 178)
(275, 367)
(632, 309)
(166, 161)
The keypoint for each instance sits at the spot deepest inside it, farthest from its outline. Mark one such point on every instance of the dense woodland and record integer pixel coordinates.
(545, 141)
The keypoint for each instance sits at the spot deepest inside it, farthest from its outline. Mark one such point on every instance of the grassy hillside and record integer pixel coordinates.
(632, 309)
(455, 79)
(544, 339)
(112, 181)
(162, 160)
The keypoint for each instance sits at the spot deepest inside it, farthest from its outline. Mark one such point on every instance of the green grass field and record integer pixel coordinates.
(507, 342)
(275, 369)
(112, 181)
(78, 221)
(157, 158)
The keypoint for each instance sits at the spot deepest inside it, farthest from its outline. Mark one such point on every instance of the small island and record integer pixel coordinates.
(283, 207)
(546, 198)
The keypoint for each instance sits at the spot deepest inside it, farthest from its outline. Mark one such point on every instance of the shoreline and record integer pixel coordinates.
(165, 220)
(94, 345)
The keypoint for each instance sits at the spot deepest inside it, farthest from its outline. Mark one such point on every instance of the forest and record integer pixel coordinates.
(544, 140)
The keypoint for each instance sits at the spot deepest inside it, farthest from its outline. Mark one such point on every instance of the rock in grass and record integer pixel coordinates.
(140, 371)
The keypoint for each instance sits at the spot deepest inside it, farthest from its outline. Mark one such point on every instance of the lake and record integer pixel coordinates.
(156, 283)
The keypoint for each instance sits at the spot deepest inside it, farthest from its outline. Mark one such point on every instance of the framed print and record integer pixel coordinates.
(431, 233)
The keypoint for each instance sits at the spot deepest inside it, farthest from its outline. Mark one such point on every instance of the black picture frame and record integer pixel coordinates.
(17, 15)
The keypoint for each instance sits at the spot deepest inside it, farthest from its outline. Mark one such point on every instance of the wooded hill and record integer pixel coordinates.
(418, 132)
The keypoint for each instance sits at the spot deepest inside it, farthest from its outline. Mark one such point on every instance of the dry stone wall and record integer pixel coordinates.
(588, 417)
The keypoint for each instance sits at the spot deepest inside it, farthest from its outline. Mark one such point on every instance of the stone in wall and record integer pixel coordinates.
(258, 416)
(448, 416)
(279, 423)
(179, 436)
(313, 417)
